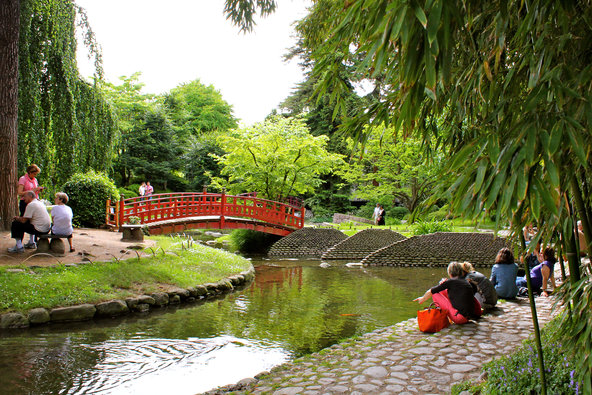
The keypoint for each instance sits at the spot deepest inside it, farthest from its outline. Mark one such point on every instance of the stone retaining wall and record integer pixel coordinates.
(339, 218)
(439, 249)
(306, 242)
(112, 308)
(363, 244)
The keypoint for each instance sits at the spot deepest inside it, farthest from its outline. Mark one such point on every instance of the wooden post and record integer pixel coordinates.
(107, 212)
(149, 211)
(222, 204)
(120, 210)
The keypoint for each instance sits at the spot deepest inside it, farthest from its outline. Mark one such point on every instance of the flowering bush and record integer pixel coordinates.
(519, 373)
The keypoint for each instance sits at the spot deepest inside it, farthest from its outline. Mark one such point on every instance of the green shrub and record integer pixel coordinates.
(397, 212)
(128, 192)
(251, 242)
(424, 227)
(88, 193)
(392, 221)
(366, 210)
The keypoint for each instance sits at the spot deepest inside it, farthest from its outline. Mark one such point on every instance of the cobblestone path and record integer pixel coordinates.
(402, 360)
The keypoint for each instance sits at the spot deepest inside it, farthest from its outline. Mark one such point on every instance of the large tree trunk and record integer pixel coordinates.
(9, 40)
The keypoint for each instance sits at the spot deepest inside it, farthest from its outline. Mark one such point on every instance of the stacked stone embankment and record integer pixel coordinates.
(340, 218)
(363, 244)
(113, 308)
(306, 242)
(439, 249)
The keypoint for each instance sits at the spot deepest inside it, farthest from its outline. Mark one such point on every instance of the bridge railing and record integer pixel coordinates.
(170, 206)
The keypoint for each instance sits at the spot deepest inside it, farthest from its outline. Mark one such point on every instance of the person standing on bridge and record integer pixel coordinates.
(149, 190)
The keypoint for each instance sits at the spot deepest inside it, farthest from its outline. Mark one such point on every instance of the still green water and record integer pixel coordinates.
(291, 309)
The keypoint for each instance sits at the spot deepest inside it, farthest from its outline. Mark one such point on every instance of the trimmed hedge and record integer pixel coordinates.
(88, 193)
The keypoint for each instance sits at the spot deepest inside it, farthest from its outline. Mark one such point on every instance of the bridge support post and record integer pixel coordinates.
(222, 204)
(121, 213)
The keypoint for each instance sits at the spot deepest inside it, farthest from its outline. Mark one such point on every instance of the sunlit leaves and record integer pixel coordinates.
(276, 158)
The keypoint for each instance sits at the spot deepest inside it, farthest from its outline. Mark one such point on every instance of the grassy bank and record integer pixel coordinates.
(171, 264)
(408, 230)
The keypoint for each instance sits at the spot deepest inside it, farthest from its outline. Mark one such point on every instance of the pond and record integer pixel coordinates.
(293, 308)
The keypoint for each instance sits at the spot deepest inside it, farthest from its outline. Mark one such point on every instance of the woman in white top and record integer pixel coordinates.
(61, 216)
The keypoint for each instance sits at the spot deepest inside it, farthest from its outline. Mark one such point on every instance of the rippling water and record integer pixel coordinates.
(291, 309)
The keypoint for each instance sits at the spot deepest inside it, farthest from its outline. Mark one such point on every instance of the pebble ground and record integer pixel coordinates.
(402, 360)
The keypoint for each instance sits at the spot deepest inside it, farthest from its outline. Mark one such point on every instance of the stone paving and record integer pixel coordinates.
(402, 360)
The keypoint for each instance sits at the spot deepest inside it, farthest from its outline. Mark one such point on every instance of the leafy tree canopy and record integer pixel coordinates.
(196, 108)
(277, 158)
(396, 167)
(152, 149)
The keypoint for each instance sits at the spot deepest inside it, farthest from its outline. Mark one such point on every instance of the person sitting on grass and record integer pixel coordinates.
(504, 273)
(34, 221)
(61, 216)
(455, 295)
(541, 274)
(486, 294)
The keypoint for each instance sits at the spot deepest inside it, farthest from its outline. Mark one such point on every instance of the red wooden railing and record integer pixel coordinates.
(172, 206)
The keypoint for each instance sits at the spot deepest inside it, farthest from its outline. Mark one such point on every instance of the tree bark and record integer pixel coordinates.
(9, 43)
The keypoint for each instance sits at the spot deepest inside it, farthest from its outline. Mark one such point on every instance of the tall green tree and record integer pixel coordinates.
(62, 120)
(387, 166)
(9, 39)
(277, 158)
(130, 106)
(199, 165)
(152, 149)
(195, 109)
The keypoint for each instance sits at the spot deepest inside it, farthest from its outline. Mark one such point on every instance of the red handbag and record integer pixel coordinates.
(433, 319)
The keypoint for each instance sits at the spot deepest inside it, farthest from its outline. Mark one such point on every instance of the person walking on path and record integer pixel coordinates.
(381, 215)
(376, 213)
(34, 221)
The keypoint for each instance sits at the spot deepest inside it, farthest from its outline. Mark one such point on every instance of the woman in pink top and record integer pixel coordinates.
(28, 182)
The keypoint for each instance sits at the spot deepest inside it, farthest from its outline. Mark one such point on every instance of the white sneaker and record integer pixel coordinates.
(30, 246)
(16, 249)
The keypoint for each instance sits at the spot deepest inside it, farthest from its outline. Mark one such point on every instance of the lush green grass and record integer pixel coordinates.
(408, 230)
(170, 264)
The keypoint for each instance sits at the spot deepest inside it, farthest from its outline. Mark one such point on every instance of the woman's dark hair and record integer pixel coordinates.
(505, 256)
(549, 254)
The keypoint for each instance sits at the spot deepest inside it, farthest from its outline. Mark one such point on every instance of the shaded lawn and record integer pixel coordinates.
(171, 265)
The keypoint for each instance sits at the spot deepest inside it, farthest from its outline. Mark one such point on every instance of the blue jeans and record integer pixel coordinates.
(521, 281)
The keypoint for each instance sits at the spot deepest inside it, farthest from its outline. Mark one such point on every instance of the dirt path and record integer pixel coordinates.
(90, 244)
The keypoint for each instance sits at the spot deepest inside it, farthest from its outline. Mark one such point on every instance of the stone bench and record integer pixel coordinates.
(50, 243)
(132, 233)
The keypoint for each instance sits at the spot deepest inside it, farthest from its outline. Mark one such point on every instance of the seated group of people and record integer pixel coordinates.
(466, 293)
(35, 221)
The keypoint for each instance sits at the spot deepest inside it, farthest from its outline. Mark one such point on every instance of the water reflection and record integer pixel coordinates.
(292, 308)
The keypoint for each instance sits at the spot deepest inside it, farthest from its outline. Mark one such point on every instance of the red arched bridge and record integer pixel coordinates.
(176, 212)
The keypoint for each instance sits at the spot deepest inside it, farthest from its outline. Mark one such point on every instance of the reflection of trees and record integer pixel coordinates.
(301, 308)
